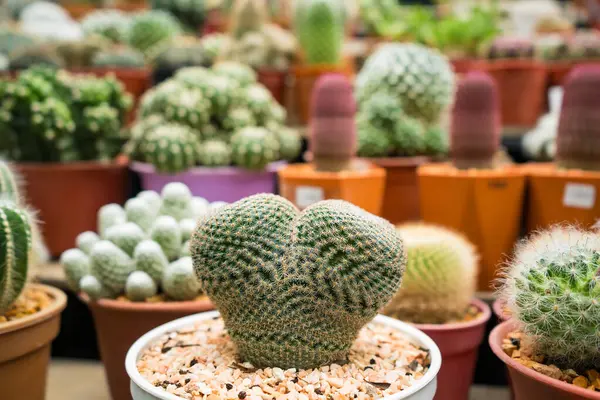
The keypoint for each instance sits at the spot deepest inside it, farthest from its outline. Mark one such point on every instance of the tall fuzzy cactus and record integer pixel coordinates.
(333, 128)
(294, 288)
(320, 30)
(578, 139)
(15, 245)
(439, 281)
(552, 289)
(475, 128)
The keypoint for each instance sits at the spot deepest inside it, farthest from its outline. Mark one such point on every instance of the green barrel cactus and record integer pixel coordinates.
(140, 286)
(320, 28)
(140, 213)
(179, 280)
(552, 290)
(150, 258)
(9, 183)
(76, 264)
(151, 28)
(176, 201)
(214, 153)
(409, 137)
(85, 241)
(171, 148)
(439, 281)
(15, 246)
(295, 288)
(371, 140)
(167, 234)
(110, 215)
(126, 236)
(111, 266)
(254, 148)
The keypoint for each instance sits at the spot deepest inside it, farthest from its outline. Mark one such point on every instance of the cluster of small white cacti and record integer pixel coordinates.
(140, 248)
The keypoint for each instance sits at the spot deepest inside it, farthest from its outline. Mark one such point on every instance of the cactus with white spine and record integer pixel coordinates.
(140, 212)
(179, 280)
(140, 286)
(152, 199)
(85, 241)
(125, 236)
(185, 250)
(110, 215)
(200, 207)
(77, 265)
(254, 148)
(111, 265)
(214, 153)
(91, 286)
(150, 258)
(242, 74)
(187, 227)
(167, 234)
(176, 201)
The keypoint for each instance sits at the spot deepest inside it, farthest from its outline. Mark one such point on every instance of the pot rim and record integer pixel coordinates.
(146, 168)
(415, 334)
(147, 307)
(399, 161)
(56, 307)
(460, 326)
(77, 166)
(444, 169)
(496, 337)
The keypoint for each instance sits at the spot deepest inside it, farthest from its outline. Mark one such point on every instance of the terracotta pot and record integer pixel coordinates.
(119, 324)
(305, 77)
(459, 345)
(275, 81)
(557, 196)
(25, 349)
(522, 89)
(558, 71)
(528, 384)
(462, 65)
(68, 196)
(364, 186)
(484, 205)
(401, 199)
(77, 10)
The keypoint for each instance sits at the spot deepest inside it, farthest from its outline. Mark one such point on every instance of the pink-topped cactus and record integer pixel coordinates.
(475, 127)
(333, 127)
(578, 138)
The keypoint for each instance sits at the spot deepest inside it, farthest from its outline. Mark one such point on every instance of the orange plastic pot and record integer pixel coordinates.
(522, 89)
(303, 185)
(275, 81)
(557, 196)
(305, 77)
(25, 349)
(528, 384)
(401, 198)
(119, 324)
(68, 196)
(485, 205)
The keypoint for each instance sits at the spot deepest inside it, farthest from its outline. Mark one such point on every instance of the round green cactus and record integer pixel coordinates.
(176, 201)
(85, 241)
(436, 141)
(110, 265)
(167, 234)
(295, 288)
(440, 277)
(372, 141)
(110, 215)
(150, 258)
(179, 280)
(140, 213)
(290, 143)
(126, 236)
(151, 28)
(214, 153)
(552, 290)
(409, 137)
(259, 101)
(171, 148)
(140, 286)
(254, 148)
(239, 118)
(76, 264)
(188, 107)
(242, 74)
(91, 286)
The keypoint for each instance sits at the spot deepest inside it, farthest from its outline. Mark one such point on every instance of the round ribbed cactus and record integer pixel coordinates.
(295, 288)
(176, 201)
(150, 258)
(91, 286)
(475, 129)
(188, 107)
(439, 281)
(552, 290)
(254, 148)
(179, 280)
(372, 141)
(15, 245)
(110, 215)
(409, 137)
(152, 199)
(76, 264)
(578, 137)
(140, 286)
(240, 73)
(167, 234)
(110, 265)
(214, 153)
(320, 28)
(333, 127)
(151, 28)
(171, 148)
(436, 141)
(290, 143)
(419, 77)
(239, 118)
(85, 241)
(126, 236)
(140, 213)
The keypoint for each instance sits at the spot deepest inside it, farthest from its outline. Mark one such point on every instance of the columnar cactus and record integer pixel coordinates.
(141, 213)
(333, 127)
(152, 199)
(552, 290)
(439, 281)
(475, 129)
(85, 241)
(110, 215)
(328, 270)
(15, 245)
(126, 236)
(320, 27)
(578, 138)
(254, 148)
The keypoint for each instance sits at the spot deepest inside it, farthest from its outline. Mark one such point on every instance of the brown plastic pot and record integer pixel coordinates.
(364, 186)
(528, 384)
(557, 196)
(401, 199)
(459, 344)
(68, 197)
(25, 349)
(275, 81)
(484, 205)
(119, 324)
(462, 65)
(559, 70)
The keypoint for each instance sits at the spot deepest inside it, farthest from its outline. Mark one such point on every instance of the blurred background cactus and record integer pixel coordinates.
(320, 28)
(506, 47)
(190, 13)
(152, 28)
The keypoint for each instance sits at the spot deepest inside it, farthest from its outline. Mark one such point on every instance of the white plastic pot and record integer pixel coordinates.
(141, 389)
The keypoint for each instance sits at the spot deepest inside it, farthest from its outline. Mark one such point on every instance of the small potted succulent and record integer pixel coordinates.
(136, 272)
(29, 313)
(463, 195)
(63, 132)
(296, 310)
(334, 172)
(403, 94)
(551, 344)
(438, 296)
(320, 29)
(568, 189)
(217, 130)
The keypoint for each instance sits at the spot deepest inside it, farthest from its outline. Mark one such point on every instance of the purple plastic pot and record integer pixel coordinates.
(227, 184)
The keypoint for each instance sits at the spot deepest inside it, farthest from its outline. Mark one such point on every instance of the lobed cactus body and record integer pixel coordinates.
(187, 227)
(167, 234)
(76, 264)
(320, 30)
(126, 236)
(151, 28)
(176, 201)
(110, 215)
(329, 269)
(140, 286)
(200, 207)
(141, 213)
(179, 280)
(150, 258)
(214, 153)
(152, 199)
(254, 148)
(91, 286)
(110, 265)
(171, 148)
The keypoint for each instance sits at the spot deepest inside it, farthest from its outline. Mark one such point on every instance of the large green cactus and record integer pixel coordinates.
(552, 289)
(295, 287)
(320, 30)
(15, 245)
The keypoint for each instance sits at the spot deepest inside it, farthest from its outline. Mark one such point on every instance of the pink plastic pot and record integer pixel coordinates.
(499, 311)
(459, 345)
(227, 184)
(528, 384)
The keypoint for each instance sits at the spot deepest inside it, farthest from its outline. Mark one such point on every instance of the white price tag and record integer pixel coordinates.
(579, 195)
(307, 195)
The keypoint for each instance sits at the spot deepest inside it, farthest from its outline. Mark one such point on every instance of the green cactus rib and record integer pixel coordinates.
(295, 287)
(15, 243)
